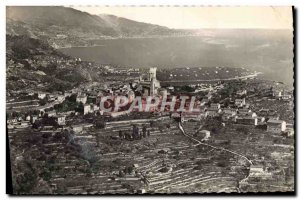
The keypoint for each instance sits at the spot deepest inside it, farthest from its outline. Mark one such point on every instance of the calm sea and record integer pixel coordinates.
(267, 52)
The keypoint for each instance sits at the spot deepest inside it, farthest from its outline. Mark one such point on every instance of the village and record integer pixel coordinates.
(241, 139)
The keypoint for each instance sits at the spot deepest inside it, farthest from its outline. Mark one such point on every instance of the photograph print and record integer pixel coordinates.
(150, 100)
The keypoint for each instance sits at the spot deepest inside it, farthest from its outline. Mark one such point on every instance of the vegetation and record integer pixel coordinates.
(214, 125)
(35, 62)
(185, 88)
(243, 130)
(100, 124)
(26, 182)
(69, 104)
(230, 89)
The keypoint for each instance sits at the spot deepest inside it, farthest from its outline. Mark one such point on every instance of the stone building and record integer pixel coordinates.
(276, 126)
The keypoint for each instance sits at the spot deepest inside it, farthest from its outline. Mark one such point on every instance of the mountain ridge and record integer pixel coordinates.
(64, 26)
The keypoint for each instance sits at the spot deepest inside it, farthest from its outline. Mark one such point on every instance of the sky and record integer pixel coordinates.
(266, 17)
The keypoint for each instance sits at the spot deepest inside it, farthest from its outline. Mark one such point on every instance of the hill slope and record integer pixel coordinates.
(62, 26)
(33, 65)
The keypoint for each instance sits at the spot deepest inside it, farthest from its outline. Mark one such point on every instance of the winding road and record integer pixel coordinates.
(214, 147)
(219, 148)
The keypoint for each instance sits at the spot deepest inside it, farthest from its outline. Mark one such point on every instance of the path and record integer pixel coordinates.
(220, 148)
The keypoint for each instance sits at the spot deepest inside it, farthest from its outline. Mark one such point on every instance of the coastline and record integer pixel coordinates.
(228, 79)
(120, 38)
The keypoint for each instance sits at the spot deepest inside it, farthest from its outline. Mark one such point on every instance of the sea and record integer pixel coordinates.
(266, 51)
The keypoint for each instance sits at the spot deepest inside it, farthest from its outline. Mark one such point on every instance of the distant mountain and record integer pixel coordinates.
(62, 26)
(266, 50)
(126, 27)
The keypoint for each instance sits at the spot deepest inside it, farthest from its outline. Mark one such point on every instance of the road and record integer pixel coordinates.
(219, 148)
(214, 147)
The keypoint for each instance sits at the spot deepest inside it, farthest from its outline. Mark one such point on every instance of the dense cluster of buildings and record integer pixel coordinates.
(237, 111)
(129, 126)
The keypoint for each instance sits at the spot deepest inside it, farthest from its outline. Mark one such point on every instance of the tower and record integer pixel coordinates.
(152, 73)
(153, 87)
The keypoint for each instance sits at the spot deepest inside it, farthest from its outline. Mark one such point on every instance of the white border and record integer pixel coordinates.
(4, 3)
(150, 3)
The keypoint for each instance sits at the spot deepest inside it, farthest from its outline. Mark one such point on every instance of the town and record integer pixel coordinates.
(241, 137)
(142, 100)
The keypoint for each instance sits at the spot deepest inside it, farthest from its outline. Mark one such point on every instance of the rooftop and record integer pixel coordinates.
(273, 121)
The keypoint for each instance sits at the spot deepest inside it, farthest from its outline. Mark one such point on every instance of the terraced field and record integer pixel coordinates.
(97, 161)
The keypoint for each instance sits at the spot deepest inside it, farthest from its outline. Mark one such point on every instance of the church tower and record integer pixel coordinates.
(153, 90)
(152, 73)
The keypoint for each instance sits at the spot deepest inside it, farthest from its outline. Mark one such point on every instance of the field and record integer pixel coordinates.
(273, 151)
(164, 161)
(98, 161)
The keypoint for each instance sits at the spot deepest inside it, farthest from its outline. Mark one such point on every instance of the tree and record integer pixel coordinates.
(226, 102)
(129, 169)
(80, 108)
(45, 116)
(135, 132)
(121, 173)
(164, 170)
(43, 101)
(145, 134)
(36, 124)
(128, 136)
(263, 127)
(198, 167)
(15, 114)
(97, 140)
(36, 112)
(144, 131)
(27, 180)
(98, 113)
(243, 130)
(151, 124)
(121, 134)
(187, 88)
(221, 164)
(214, 125)
(100, 124)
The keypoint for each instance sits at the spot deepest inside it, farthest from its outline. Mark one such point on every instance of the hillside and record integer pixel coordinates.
(32, 64)
(126, 27)
(267, 50)
(62, 26)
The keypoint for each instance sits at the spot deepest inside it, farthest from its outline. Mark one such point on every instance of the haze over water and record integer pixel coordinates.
(264, 50)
